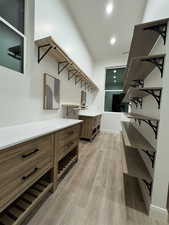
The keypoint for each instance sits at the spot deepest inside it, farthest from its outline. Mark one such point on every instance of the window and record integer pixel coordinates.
(12, 34)
(114, 90)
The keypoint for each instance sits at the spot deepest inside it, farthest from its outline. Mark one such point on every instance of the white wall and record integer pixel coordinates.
(158, 10)
(110, 121)
(52, 18)
(21, 96)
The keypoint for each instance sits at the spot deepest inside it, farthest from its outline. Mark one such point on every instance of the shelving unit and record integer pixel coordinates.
(145, 36)
(49, 46)
(140, 64)
(136, 95)
(20, 209)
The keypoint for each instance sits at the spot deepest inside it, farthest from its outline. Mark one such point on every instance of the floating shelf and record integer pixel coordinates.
(134, 139)
(147, 33)
(134, 165)
(137, 141)
(49, 46)
(152, 122)
(141, 67)
(136, 95)
(18, 211)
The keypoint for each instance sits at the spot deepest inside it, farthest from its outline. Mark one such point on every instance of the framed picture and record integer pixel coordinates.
(51, 92)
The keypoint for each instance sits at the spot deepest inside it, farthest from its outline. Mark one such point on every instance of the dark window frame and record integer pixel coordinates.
(115, 90)
(20, 34)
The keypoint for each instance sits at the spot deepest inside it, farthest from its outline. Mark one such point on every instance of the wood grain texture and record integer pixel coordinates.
(93, 192)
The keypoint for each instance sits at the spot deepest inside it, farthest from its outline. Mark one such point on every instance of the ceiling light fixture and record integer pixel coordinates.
(114, 77)
(114, 71)
(109, 8)
(112, 40)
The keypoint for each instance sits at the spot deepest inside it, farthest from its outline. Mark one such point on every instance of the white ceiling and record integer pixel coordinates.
(97, 28)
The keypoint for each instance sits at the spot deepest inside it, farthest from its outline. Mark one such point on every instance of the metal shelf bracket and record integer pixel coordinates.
(137, 101)
(161, 29)
(153, 126)
(158, 62)
(60, 67)
(151, 156)
(40, 57)
(139, 83)
(156, 96)
(70, 76)
(77, 80)
(148, 185)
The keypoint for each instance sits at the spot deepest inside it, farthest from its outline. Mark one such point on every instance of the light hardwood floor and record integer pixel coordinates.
(93, 191)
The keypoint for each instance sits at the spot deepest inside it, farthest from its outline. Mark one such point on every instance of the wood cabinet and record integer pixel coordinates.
(32, 169)
(90, 126)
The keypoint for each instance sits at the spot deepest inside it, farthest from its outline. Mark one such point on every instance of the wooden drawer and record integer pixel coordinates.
(12, 186)
(67, 148)
(65, 136)
(15, 158)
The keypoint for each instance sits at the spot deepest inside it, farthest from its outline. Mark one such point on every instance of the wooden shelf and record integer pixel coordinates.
(140, 117)
(140, 68)
(18, 211)
(133, 164)
(52, 48)
(139, 93)
(134, 139)
(145, 37)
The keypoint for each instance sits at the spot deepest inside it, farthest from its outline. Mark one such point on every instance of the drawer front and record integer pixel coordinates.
(11, 188)
(15, 158)
(67, 148)
(65, 136)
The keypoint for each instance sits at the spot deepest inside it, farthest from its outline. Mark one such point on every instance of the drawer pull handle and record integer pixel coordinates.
(29, 175)
(29, 154)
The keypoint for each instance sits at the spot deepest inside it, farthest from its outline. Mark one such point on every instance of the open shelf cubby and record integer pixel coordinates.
(67, 161)
(21, 208)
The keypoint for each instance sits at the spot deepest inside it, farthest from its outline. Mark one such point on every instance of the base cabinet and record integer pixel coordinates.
(31, 170)
(90, 126)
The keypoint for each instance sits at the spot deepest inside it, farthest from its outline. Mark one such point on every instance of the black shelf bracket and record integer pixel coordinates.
(48, 47)
(161, 29)
(137, 101)
(77, 80)
(139, 83)
(71, 75)
(156, 95)
(151, 156)
(158, 62)
(62, 66)
(148, 185)
(154, 125)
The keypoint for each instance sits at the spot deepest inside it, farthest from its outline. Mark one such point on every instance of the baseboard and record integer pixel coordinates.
(158, 213)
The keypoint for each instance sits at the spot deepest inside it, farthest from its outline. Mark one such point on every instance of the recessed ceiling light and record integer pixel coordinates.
(112, 40)
(115, 81)
(114, 71)
(109, 8)
(114, 77)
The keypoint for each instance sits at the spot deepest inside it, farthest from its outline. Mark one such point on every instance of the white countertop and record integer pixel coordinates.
(88, 113)
(10, 136)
